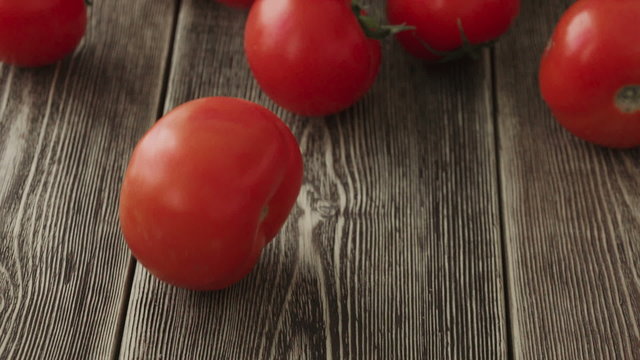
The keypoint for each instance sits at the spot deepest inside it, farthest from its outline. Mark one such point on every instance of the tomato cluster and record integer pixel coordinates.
(215, 179)
(319, 57)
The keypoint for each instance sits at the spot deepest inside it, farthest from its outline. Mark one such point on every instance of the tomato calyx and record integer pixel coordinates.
(467, 48)
(372, 27)
(88, 2)
(627, 99)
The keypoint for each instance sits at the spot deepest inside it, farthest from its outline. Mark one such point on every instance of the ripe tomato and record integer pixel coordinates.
(448, 29)
(237, 3)
(590, 72)
(206, 189)
(40, 32)
(311, 57)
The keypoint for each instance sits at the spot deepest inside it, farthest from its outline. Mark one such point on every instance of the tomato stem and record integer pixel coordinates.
(88, 2)
(466, 49)
(372, 27)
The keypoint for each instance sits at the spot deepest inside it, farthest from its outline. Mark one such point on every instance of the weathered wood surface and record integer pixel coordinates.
(393, 250)
(396, 248)
(66, 132)
(572, 217)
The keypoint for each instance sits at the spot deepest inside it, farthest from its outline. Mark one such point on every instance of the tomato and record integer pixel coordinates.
(590, 72)
(237, 3)
(208, 186)
(448, 29)
(40, 32)
(311, 57)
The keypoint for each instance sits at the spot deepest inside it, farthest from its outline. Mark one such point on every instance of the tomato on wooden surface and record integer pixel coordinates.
(208, 186)
(590, 72)
(40, 32)
(450, 29)
(311, 57)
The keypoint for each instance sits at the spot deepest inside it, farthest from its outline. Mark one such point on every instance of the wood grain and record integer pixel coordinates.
(393, 250)
(572, 224)
(66, 132)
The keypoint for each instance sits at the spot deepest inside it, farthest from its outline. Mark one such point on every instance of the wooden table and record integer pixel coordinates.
(446, 215)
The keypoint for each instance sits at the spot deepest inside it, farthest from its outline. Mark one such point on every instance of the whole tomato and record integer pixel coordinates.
(311, 57)
(590, 72)
(237, 3)
(208, 186)
(40, 32)
(449, 29)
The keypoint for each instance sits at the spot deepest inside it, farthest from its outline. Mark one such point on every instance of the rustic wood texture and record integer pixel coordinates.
(572, 220)
(66, 132)
(393, 250)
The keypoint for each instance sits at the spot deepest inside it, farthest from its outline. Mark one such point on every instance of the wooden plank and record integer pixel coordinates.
(66, 132)
(572, 224)
(393, 250)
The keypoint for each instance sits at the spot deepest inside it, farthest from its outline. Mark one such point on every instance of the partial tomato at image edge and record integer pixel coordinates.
(39, 33)
(207, 187)
(590, 72)
(447, 30)
(312, 58)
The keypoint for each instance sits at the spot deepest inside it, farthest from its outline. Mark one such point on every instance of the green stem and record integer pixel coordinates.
(372, 27)
(466, 49)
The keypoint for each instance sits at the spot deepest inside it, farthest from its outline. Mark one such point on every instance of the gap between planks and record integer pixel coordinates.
(501, 220)
(166, 76)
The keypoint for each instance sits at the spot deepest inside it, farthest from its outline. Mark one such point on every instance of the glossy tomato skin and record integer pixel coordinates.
(206, 189)
(436, 23)
(593, 56)
(311, 57)
(244, 4)
(40, 32)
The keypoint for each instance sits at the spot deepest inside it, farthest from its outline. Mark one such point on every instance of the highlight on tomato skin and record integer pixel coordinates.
(40, 32)
(447, 30)
(206, 189)
(589, 74)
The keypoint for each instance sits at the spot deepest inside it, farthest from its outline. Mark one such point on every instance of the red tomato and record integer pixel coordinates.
(206, 189)
(311, 57)
(237, 3)
(590, 72)
(441, 26)
(40, 32)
